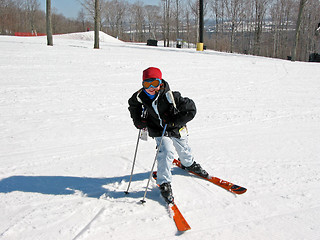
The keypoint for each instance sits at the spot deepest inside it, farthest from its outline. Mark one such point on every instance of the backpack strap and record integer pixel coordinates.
(171, 100)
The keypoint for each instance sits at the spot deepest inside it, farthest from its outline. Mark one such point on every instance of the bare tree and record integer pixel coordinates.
(215, 9)
(282, 12)
(177, 17)
(8, 13)
(194, 16)
(82, 19)
(139, 20)
(166, 22)
(31, 8)
(96, 24)
(260, 11)
(115, 13)
(187, 17)
(89, 7)
(298, 27)
(234, 10)
(153, 19)
(49, 25)
(307, 39)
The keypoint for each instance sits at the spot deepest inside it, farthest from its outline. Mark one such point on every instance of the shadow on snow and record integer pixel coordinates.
(90, 187)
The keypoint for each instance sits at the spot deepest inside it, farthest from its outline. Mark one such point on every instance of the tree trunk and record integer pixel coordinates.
(177, 19)
(168, 22)
(298, 26)
(49, 25)
(96, 24)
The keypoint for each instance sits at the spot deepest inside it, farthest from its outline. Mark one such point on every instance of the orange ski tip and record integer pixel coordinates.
(181, 223)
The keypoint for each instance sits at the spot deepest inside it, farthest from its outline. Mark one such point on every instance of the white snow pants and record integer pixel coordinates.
(166, 156)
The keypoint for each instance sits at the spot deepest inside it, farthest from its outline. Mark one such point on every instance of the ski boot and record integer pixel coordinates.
(197, 169)
(166, 192)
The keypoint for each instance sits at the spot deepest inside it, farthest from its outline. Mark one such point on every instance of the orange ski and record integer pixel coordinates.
(181, 223)
(219, 182)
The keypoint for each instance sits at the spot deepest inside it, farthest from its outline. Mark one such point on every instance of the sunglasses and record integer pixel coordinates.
(152, 82)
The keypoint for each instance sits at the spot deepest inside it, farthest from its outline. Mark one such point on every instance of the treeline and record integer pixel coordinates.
(258, 27)
(27, 16)
(264, 27)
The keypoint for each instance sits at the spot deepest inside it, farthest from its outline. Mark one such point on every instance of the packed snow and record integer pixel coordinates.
(67, 143)
(89, 36)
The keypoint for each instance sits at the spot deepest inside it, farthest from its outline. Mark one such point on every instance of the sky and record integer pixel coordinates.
(70, 8)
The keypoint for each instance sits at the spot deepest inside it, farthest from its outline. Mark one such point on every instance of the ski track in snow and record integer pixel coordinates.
(67, 143)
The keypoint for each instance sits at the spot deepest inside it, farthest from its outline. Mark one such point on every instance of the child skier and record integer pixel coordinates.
(155, 106)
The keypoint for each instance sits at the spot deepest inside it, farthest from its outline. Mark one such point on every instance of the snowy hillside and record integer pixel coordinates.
(89, 36)
(67, 143)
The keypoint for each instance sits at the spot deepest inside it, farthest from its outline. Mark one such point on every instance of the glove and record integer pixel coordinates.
(169, 117)
(169, 121)
(140, 124)
(169, 124)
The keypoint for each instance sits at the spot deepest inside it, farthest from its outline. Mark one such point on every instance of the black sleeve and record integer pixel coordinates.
(135, 109)
(186, 109)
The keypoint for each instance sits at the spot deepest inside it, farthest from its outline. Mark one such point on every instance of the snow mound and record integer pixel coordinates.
(89, 36)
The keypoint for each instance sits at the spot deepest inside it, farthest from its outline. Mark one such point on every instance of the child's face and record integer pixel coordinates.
(152, 91)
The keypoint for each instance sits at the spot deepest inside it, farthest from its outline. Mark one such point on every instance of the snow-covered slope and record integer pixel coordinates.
(89, 36)
(67, 143)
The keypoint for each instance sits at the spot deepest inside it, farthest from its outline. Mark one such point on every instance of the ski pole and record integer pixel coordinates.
(158, 149)
(134, 161)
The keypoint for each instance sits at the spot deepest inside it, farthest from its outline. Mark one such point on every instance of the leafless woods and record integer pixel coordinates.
(258, 27)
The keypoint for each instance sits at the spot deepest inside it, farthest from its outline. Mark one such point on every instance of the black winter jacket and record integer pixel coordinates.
(161, 111)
